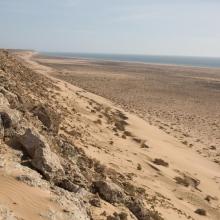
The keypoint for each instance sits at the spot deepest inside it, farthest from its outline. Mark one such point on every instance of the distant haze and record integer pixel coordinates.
(171, 27)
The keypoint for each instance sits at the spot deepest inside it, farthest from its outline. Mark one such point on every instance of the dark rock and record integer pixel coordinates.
(137, 207)
(68, 185)
(212, 147)
(118, 216)
(200, 212)
(187, 181)
(139, 167)
(99, 168)
(10, 117)
(113, 217)
(160, 162)
(1, 129)
(6, 120)
(123, 216)
(95, 202)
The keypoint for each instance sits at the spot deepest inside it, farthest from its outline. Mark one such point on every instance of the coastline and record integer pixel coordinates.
(94, 59)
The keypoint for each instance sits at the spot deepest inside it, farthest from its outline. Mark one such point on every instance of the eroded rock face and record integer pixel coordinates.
(48, 117)
(20, 90)
(11, 97)
(47, 162)
(109, 191)
(43, 159)
(118, 216)
(1, 129)
(10, 117)
(3, 100)
(68, 185)
(137, 207)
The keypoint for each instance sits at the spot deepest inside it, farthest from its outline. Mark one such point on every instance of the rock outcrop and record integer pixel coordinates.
(11, 97)
(109, 191)
(43, 159)
(33, 125)
(10, 117)
(49, 118)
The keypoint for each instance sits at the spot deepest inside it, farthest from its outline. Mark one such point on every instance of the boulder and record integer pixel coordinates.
(43, 159)
(109, 191)
(31, 140)
(47, 163)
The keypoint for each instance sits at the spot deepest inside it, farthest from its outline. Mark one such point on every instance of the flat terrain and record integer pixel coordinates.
(182, 101)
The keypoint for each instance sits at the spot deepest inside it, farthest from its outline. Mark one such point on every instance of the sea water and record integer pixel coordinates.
(172, 60)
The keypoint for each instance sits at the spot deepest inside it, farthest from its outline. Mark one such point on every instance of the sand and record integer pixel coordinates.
(176, 178)
(182, 101)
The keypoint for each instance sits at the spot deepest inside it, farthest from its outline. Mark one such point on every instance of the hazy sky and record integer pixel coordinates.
(172, 27)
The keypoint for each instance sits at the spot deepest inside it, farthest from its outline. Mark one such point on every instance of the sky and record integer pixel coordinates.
(155, 27)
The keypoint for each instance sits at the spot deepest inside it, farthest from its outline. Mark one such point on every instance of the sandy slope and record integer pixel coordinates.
(123, 153)
(23, 194)
(25, 201)
(182, 101)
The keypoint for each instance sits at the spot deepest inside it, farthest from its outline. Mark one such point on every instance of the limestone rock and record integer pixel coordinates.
(11, 97)
(10, 117)
(43, 159)
(48, 117)
(3, 100)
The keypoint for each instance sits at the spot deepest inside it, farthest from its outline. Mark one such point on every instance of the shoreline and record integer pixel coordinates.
(129, 62)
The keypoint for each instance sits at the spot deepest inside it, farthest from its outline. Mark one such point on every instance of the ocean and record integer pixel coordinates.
(212, 62)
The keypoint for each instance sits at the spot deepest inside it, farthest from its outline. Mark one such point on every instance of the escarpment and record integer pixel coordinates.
(34, 122)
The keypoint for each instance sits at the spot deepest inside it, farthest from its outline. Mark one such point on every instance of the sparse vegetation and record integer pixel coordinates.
(160, 162)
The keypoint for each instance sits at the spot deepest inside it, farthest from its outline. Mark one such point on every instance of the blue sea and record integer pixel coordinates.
(213, 62)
